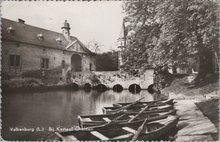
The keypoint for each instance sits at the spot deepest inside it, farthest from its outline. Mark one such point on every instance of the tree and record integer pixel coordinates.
(94, 46)
(167, 32)
(140, 16)
(190, 28)
(107, 61)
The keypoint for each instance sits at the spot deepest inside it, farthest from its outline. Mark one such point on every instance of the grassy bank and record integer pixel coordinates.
(210, 109)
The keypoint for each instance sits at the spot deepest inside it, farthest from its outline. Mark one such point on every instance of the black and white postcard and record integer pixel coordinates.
(144, 70)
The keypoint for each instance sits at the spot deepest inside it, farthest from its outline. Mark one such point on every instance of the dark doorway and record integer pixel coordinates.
(76, 63)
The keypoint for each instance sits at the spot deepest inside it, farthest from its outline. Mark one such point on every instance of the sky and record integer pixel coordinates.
(89, 21)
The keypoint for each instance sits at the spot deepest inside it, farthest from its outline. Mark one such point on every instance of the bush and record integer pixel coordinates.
(32, 73)
(5, 75)
(94, 79)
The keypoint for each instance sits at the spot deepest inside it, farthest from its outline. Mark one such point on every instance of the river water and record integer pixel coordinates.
(36, 114)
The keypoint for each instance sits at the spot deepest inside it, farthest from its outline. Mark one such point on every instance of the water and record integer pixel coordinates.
(52, 109)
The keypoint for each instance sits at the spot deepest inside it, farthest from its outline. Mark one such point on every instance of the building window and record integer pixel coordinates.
(45, 63)
(11, 30)
(121, 43)
(15, 60)
(63, 63)
(59, 41)
(90, 67)
(40, 36)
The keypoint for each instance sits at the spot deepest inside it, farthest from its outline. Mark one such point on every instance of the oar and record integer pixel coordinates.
(131, 118)
(139, 113)
(127, 106)
(137, 133)
(119, 117)
(110, 122)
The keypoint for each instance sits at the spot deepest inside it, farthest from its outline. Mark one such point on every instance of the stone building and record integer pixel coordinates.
(27, 48)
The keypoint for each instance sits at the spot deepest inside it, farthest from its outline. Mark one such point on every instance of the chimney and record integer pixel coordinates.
(21, 21)
(66, 31)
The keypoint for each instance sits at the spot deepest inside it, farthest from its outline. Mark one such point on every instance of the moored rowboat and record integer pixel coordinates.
(152, 130)
(101, 119)
(157, 102)
(109, 110)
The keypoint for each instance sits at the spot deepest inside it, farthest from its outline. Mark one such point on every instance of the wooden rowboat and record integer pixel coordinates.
(152, 130)
(101, 119)
(157, 102)
(110, 110)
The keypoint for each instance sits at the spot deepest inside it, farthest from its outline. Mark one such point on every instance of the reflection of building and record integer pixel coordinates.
(27, 48)
(122, 42)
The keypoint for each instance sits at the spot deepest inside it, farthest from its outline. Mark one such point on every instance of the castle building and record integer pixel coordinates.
(28, 48)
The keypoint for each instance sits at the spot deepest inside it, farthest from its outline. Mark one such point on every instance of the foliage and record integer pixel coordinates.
(32, 73)
(166, 32)
(107, 61)
(94, 79)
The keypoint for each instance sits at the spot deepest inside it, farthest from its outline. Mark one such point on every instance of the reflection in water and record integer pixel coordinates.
(55, 109)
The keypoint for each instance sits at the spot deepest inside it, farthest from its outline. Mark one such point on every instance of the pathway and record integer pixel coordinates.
(194, 126)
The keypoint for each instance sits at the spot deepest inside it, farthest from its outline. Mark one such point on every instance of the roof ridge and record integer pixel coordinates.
(35, 26)
(27, 33)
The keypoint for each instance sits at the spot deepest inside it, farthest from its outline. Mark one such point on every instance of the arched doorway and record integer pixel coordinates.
(76, 64)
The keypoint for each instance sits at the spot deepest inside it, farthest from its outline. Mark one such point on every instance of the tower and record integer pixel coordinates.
(122, 37)
(122, 43)
(66, 31)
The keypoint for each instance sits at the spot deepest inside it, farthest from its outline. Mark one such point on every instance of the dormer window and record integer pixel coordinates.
(58, 40)
(40, 37)
(10, 30)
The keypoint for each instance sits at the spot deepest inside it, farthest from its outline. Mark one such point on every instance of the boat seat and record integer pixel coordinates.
(70, 138)
(128, 129)
(99, 135)
(131, 116)
(123, 136)
(87, 119)
(106, 119)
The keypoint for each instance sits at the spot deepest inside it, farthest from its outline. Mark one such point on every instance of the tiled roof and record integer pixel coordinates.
(30, 34)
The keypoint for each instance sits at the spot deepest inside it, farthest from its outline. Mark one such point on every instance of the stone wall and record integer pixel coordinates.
(111, 78)
(31, 56)
(86, 61)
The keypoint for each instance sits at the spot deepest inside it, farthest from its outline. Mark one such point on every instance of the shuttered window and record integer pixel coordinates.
(44, 63)
(15, 60)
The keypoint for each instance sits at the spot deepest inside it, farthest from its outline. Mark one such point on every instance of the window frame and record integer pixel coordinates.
(16, 61)
(44, 63)
(90, 67)
(63, 63)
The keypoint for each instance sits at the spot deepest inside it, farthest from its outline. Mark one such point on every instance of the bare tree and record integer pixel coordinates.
(94, 46)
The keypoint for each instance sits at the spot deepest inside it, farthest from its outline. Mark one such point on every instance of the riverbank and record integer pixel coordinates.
(197, 108)
(107, 78)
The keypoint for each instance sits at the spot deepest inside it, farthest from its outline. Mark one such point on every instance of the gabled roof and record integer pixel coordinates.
(29, 34)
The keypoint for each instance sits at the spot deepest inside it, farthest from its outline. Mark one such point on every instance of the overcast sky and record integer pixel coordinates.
(89, 21)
